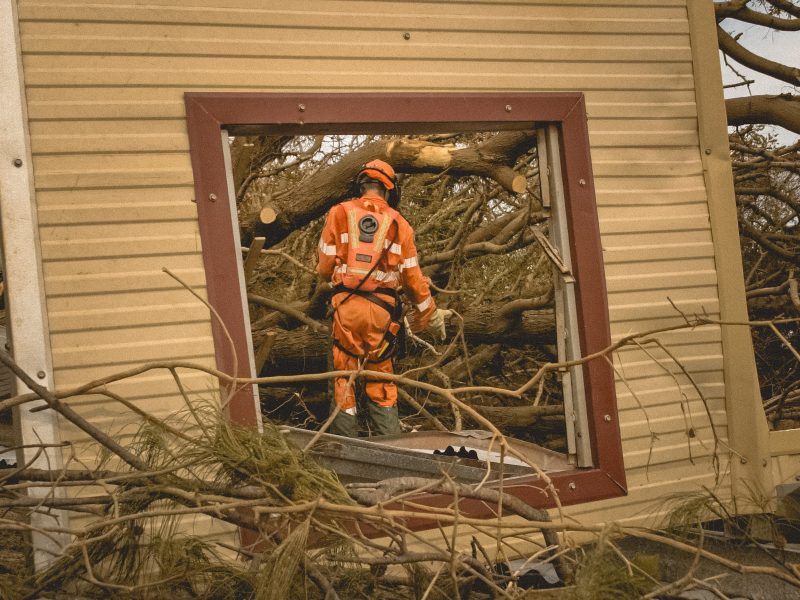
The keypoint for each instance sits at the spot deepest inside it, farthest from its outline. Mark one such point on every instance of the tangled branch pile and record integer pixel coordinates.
(475, 202)
(304, 534)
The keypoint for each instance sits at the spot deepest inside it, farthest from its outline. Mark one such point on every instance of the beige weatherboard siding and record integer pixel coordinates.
(104, 84)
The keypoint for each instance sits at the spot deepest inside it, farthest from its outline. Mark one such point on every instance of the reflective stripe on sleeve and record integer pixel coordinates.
(344, 238)
(408, 263)
(327, 249)
(394, 248)
(422, 306)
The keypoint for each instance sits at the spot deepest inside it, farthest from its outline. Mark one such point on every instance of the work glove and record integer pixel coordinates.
(437, 323)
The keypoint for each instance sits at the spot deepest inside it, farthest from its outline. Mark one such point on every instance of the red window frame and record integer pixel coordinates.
(208, 114)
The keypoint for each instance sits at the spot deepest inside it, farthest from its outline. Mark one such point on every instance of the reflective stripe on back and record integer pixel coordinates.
(352, 226)
(380, 276)
(381, 236)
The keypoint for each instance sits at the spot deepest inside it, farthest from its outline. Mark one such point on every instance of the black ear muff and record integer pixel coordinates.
(394, 196)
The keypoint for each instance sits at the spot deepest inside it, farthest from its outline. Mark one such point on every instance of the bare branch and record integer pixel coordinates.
(786, 6)
(740, 12)
(758, 63)
(286, 309)
(72, 416)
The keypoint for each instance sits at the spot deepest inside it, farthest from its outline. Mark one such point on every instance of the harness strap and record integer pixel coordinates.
(395, 315)
(339, 345)
(395, 310)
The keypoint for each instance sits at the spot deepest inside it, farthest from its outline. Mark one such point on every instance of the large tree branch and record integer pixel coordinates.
(772, 305)
(515, 308)
(460, 368)
(288, 310)
(753, 61)
(783, 111)
(786, 6)
(301, 203)
(487, 160)
(741, 12)
(493, 227)
(519, 416)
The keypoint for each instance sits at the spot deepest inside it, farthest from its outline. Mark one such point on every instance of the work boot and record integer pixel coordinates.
(383, 420)
(344, 424)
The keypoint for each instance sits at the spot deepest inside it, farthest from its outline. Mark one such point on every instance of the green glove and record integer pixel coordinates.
(437, 323)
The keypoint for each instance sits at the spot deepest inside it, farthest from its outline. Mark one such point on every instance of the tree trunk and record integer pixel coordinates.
(306, 351)
(489, 325)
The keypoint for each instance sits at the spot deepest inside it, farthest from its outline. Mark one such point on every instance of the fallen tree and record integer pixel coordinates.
(296, 204)
(475, 203)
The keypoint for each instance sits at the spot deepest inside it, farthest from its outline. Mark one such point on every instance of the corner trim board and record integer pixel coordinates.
(748, 434)
(27, 311)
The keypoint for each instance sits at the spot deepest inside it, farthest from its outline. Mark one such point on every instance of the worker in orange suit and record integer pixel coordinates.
(367, 253)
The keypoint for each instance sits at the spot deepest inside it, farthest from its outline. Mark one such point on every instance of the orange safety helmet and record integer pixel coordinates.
(382, 172)
(379, 171)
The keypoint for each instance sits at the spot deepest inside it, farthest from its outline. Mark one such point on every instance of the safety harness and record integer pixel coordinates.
(367, 246)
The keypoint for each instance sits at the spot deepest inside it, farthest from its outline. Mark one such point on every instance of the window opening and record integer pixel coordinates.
(486, 248)
(589, 465)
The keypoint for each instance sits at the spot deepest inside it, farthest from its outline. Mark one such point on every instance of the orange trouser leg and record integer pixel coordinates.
(382, 393)
(344, 394)
(359, 325)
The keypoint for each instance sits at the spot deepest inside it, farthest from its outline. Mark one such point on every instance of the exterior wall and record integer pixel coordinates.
(105, 84)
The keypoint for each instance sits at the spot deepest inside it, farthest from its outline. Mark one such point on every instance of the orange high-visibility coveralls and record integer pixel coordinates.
(359, 324)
